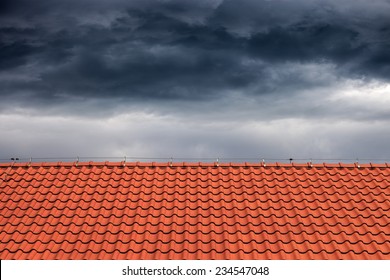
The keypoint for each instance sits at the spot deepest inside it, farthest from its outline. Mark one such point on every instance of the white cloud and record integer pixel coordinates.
(364, 99)
(148, 135)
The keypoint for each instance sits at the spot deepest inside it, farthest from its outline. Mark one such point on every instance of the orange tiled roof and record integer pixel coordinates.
(194, 211)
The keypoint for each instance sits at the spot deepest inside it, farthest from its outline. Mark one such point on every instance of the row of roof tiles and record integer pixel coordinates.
(100, 211)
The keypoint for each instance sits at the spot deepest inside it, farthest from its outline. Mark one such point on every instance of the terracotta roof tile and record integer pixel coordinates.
(105, 210)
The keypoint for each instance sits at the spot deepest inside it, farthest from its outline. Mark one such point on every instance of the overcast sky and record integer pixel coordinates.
(199, 79)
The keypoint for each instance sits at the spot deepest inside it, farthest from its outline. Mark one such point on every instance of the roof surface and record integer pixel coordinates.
(194, 211)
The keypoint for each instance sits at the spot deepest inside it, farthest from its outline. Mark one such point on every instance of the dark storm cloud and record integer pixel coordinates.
(278, 78)
(186, 50)
(307, 43)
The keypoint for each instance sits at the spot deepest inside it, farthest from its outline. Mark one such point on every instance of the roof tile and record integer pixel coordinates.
(104, 210)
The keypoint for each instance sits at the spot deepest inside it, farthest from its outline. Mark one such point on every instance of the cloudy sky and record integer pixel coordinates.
(269, 79)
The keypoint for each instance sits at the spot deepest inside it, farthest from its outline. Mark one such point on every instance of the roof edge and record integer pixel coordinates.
(194, 164)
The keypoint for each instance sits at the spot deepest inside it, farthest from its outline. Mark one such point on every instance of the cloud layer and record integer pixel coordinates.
(249, 70)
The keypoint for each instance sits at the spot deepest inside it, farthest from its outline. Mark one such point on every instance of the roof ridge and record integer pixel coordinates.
(195, 164)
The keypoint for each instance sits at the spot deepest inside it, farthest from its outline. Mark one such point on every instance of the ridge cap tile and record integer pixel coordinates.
(189, 164)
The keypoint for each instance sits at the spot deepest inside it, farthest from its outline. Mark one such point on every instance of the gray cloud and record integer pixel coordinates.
(159, 49)
(147, 135)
